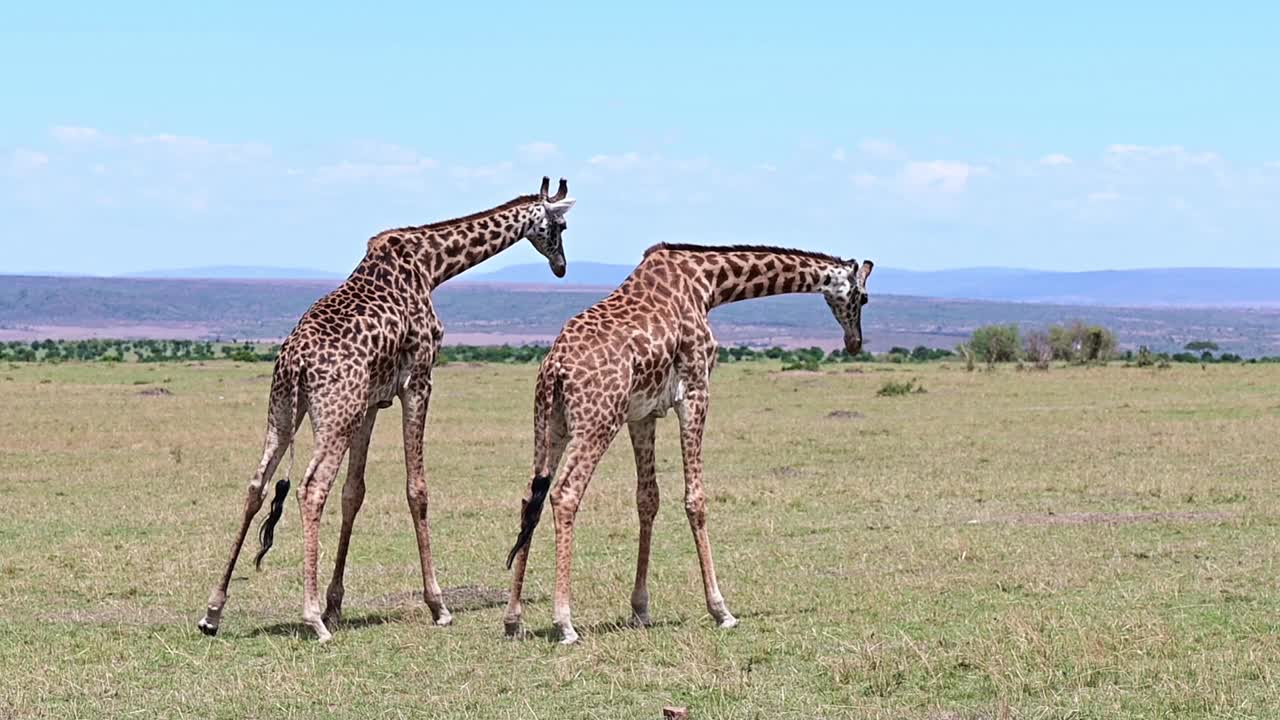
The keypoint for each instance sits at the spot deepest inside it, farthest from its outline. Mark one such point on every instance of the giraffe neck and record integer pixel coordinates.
(442, 250)
(726, 276)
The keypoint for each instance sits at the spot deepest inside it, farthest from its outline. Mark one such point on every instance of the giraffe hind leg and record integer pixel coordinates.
(642, 444)
(277, 441)
(545, 467)
(352, 500)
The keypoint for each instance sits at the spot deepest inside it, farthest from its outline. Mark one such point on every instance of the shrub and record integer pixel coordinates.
(1195, 345)
(996, 343)
(894, 388)
(807, 364)
(1081, 343)
(1039, 350)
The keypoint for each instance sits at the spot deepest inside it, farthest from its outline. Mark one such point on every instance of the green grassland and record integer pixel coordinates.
(1087, 542)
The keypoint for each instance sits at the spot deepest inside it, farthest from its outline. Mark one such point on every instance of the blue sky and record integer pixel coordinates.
(925, 136)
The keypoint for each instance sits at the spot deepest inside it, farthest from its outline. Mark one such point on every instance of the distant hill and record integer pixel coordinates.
(579, 273)
(239, 272)
(1160, 287)
(486, 313)
(1195, 287)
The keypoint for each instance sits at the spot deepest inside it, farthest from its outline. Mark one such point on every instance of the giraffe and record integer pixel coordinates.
(372, 339)
(642, 350)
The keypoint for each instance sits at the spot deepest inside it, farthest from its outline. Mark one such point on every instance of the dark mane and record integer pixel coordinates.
(683, 247)
(466, 218)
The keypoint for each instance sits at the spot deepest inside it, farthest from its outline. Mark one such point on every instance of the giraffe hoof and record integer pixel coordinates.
(640, 622)
(568, 637)
(514, 630)
(207, 627)
(332, 618)
(444, 619)
(728, 621)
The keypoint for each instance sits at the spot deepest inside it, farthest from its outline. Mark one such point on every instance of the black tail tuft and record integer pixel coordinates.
(267, 531)
(529, 515)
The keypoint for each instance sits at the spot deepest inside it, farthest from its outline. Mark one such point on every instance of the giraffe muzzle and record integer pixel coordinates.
(852, 342)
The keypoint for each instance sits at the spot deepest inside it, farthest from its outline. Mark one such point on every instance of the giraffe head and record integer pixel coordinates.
(548, 224)
(845, 288)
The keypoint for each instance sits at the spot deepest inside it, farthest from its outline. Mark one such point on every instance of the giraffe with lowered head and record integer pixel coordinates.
(372, 339)
(646, 348)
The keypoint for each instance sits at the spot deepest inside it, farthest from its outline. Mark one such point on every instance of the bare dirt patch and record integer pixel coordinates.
(1104, 518)
(154, 392)
(845, 415)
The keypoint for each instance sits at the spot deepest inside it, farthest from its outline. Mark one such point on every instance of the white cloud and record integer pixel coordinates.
(25, 161)
(197, 147)
(878, 148)
(864, 180)
(940, 175)
(1103, 197)
(1274, 164)
(839, 154)
(1177, 153)
(374, 161)
(767, 167)
(1056, 159)
(348, 171)
(480, 172)
(538, 150)
(625, 161)
(69, 134)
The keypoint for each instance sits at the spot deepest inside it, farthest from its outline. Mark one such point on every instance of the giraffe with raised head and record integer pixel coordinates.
(371, 340)
(642, 350)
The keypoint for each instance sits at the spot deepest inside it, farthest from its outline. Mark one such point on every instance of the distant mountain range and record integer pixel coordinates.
(1164, 287)
(481, 313)
(239, 272)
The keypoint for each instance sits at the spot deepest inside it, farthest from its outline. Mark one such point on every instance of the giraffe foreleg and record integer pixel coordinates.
(642, 445)
(415, 402)
(692, 411)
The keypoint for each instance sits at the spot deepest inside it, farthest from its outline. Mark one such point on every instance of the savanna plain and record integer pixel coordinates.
(1085, 542)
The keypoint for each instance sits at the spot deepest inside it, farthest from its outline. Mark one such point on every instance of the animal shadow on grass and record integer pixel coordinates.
(302, 630)
(552, 634)
(398, 607)
(605, 627)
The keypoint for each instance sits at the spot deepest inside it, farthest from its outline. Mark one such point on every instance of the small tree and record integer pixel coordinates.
(1097, 344)
(996, 343)
(1200, 345)
(1039, 349)
(1081, 343)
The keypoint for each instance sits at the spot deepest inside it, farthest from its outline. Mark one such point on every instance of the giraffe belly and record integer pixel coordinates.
(386, 387)
(656, 402)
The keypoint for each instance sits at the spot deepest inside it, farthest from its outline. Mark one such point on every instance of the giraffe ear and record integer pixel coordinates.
(864, 272)
(560, 207)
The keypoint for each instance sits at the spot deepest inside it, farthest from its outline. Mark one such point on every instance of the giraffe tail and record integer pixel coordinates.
(531, 510)
(267, 530)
